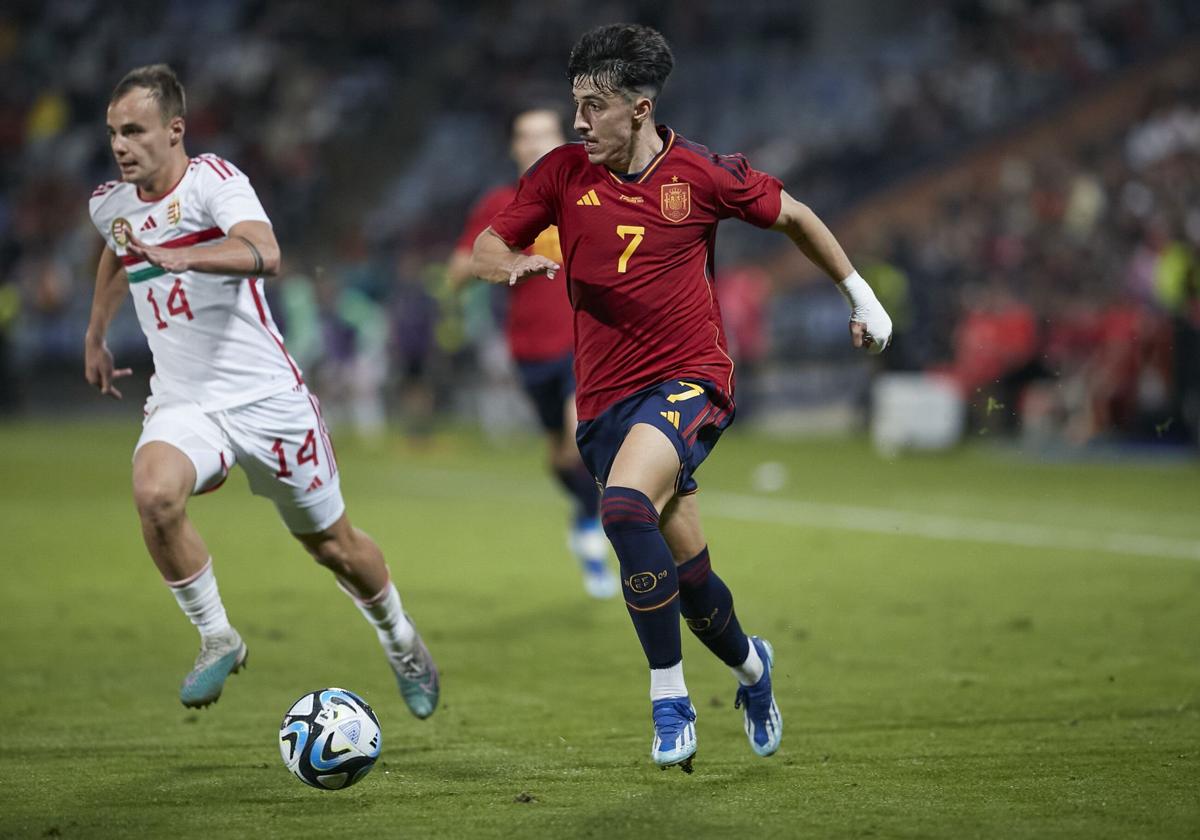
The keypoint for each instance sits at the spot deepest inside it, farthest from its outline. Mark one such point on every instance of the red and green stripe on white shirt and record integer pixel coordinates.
(138, 270)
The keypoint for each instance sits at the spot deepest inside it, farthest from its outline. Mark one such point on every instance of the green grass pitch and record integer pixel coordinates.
(970, 645)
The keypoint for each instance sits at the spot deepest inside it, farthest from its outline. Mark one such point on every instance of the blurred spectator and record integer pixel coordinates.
(1096, 245)
(339, 337)
(414, 322)
(742, 293)
(316, 103)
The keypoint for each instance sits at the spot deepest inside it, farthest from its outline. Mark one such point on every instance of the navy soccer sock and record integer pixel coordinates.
(648, 578)
(581, 487)
(707, 605)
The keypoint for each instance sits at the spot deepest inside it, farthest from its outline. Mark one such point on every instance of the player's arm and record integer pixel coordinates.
(870, 325)
(111, 288)
(494, 260)
(248, 250)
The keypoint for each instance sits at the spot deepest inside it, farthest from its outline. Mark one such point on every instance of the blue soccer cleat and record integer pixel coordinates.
(418, 679)
(674, 733)
(764, 724)
(590, 547)
(220, 655)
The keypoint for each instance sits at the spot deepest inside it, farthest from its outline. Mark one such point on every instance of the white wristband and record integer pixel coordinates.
(857, 291)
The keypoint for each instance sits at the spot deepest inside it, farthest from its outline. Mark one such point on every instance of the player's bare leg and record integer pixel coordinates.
(163, 480)
(586, 538)
(358, 564)
(681, 528)
(352, 556)
(707, 605)
(640, 485)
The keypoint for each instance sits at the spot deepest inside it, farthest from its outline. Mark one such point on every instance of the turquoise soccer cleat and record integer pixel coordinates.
(418, 680)
(220, 655)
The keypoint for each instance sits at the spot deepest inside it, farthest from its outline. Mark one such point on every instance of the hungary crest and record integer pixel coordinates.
(120, 231)
(676, 201)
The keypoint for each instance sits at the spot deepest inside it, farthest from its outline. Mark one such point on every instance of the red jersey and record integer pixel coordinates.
(539, 324)
(638, 253)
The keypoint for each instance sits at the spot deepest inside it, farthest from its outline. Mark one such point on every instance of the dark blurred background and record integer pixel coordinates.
(1019, 180)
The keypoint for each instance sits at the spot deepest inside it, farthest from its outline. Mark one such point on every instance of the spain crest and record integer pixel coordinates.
(676, 201)
(120, 231)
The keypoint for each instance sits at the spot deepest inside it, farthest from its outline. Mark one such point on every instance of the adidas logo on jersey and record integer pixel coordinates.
(316, 482)
(672, 417)
(149, 224)
(590, 199)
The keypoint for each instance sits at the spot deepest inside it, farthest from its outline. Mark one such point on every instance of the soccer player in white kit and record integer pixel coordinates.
(189, 238)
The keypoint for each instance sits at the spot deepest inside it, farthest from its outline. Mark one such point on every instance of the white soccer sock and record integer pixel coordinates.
(200, 601)
(750, 671)
(667, 682)
(386, 615)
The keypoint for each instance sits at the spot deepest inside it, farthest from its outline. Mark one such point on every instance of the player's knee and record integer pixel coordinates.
(623, 510)
(159, 502)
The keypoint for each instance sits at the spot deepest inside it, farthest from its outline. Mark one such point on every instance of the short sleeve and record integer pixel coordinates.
(533, 210)
(101, 219)
(228, 196)
(105, 229)
(744, 193)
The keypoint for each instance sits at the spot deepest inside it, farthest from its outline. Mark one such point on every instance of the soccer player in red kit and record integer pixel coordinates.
(541, 336)
(637, 208)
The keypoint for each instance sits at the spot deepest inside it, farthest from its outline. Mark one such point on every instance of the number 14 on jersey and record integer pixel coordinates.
(177, 304)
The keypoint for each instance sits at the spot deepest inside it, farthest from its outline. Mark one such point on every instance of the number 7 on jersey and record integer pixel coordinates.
(623, 231)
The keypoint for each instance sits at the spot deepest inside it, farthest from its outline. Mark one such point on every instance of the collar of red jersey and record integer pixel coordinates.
(668, 137)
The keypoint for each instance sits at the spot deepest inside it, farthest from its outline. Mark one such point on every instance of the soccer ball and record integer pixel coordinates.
(330, 738)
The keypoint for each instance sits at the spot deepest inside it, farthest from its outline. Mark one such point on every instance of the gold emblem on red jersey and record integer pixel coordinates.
(676, 201)
(120, 231)
(174, 212)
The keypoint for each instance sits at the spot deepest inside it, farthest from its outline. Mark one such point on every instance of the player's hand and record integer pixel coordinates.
(99, 370)
(174, 260)
(874, 337)
(870, 325)
(531, 266)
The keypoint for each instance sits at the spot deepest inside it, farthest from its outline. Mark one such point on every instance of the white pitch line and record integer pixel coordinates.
(893, 522)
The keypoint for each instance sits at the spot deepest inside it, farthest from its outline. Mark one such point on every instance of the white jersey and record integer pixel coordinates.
(213, 339)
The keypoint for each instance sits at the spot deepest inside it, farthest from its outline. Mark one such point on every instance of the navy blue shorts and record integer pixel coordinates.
(549, 385)
(692, 414)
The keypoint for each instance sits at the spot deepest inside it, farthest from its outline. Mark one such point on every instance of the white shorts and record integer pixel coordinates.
(281, 442)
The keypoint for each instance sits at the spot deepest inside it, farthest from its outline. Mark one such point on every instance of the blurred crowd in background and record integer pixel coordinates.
(1059, 290)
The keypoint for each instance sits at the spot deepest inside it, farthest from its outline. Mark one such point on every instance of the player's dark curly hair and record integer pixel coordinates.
(162, 83)
(622, 58)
